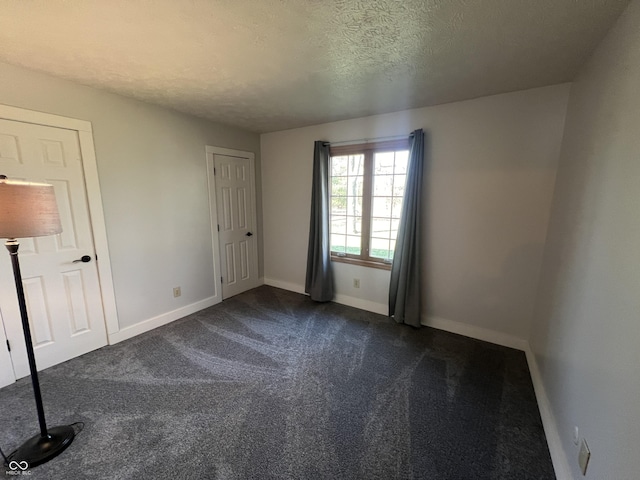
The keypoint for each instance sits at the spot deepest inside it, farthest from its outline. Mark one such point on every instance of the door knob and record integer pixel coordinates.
(83, 259)
(249, 234)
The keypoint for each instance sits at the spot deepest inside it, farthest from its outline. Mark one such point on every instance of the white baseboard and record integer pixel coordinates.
(155, 322)
(292, 287)
(367, 305)
(460, 328)
(479, 333)
(558, 455)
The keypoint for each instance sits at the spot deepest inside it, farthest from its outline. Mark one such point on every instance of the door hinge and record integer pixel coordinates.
(214, 171)
(8, 345)
(218, 227)
(221, 279)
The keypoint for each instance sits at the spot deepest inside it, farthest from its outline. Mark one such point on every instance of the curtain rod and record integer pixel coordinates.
(369, 140)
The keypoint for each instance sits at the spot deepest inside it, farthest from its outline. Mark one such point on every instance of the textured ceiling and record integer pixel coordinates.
(267, 65)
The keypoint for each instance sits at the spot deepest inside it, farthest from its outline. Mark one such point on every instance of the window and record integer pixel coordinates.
(367, 188)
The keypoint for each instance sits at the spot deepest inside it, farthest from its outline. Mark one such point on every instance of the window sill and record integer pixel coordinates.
(360, 262)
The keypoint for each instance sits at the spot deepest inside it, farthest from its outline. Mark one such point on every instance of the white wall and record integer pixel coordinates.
(586, 329)
(153, 178)
(491, 165)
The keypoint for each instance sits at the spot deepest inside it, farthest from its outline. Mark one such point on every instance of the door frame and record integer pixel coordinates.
(211, 152)
(94, 199)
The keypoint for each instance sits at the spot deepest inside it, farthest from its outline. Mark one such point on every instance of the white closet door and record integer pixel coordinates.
(235, 200)
(63, 296)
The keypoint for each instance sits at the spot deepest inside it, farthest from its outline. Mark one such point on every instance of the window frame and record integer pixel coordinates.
(368, 150)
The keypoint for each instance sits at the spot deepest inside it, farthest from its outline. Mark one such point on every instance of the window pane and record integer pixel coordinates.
(338, 205)
(338, 224)
(353, 245)
(339, 166)
(382, 185)
(387, 190)
(395, 223)
(356, 164)
(398, 185)
(397, 207)
(401, 161)
(380, 227)
(383, 163)
(381, 207)
(354, 225)
(354, 186)
(338, 243)
(379, 248)
(339, 186)
(354, 206)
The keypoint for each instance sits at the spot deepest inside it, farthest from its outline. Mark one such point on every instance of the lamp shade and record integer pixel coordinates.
(27, 209)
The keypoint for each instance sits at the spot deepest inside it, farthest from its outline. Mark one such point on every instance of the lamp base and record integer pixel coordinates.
(38, 449)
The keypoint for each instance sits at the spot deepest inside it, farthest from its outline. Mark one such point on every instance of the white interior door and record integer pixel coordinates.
(235, 199)
(7, 375)
(63, 296)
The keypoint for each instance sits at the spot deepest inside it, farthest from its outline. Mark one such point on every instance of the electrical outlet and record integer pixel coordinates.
(356, 283)
(177, 292)
(584, 456)
(576, 435)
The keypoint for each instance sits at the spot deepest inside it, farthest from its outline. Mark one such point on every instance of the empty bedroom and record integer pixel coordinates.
(320, 240)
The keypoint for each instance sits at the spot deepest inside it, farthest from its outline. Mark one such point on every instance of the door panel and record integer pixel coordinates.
(39, 319)
(242, 207)
(235, 205)
(230, 253)
(76, 294)
(63, 298)
(7, 376)
(244, 260)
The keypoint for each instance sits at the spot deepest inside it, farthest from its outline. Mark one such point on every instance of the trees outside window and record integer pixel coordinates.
(367, 189)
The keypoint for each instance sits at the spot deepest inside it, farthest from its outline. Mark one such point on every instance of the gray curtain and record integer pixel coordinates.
(405, 285)
(319, 281)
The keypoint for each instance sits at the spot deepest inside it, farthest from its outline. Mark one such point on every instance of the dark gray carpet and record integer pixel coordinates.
(270, 385)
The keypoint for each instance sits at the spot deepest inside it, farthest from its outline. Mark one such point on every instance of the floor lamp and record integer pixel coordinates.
(30, 210)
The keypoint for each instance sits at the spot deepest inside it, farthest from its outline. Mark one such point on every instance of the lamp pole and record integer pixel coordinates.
(12, 245)
(30, 210)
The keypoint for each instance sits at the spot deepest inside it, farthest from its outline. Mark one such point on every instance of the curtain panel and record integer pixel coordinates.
(319, 279)
(405, 285)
